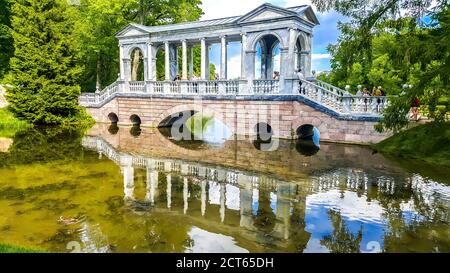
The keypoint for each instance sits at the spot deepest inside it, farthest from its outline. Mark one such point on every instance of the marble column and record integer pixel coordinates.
(223, 58)
(191, 62)
(293, 33)
(167, 61)
(243, 56)
(250, 65)
(184, 57)
(173, 62)
(149, 62)
(122, 65)
(203, 68)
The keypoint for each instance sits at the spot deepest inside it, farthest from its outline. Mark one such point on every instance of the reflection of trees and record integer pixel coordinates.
(342, 240)
(45, 144)
(298, 235)
(424, 237)
(265, 218)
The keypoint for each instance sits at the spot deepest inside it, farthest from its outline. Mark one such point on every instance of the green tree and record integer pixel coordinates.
(388, 43)
(6, 48)
(43, 71)
(97, 22)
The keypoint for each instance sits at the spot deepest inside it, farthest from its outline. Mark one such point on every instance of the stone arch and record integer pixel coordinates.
(261, 35)
(205, 110)
(135, 120)
(137, 69)
(133, 47)
(267, 58)
(305, 131)
(113, 117)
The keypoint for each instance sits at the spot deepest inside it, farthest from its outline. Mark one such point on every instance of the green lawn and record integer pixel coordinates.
(430, 143)
(15, 249)
(9, 125)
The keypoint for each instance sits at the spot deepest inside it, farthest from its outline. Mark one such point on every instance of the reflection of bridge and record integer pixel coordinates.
(231, 201)
(243, 103)
(229, 189)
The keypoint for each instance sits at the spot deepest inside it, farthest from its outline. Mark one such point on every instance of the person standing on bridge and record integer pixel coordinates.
(301, 78)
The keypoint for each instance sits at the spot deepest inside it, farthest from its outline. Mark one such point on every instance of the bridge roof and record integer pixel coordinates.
(262, 13)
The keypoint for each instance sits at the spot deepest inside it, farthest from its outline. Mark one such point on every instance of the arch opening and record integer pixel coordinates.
(308, 142)
(135, 120)
(267, 58)
(113, 118)
(192, 129)
(137, 65)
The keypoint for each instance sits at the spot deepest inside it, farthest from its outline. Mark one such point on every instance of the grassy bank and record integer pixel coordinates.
(9, 125)
(16, 249)
(430, 143)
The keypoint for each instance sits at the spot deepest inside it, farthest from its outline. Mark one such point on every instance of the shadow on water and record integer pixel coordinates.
(306, 147)
(113, 129)
(136, 130)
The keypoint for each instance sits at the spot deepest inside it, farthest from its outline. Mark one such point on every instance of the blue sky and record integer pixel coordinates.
(324, 34)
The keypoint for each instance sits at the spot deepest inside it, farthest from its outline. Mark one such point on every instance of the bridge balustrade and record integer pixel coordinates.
(321, 93)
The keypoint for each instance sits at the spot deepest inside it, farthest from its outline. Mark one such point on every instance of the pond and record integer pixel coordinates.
(124, 189)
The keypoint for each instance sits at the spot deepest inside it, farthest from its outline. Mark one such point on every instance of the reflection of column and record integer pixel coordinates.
(167, 60)
(223, 58)
(152, 184)
(185, 194)
(222, 202)
(283, 211)
(246, 206)
(203, 198)
(169, 190)
(128, 181)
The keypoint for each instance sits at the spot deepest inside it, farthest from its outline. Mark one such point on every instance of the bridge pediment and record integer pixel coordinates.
(265, 12)
(132, 31)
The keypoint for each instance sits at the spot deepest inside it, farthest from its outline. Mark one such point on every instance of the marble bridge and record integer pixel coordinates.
(274, 41)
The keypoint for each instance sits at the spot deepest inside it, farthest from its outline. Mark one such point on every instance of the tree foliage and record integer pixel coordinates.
(390, 43)
(44, 71)
(6, 48)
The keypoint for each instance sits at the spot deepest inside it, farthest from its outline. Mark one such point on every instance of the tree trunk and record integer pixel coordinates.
(98, 83)
(135, 65)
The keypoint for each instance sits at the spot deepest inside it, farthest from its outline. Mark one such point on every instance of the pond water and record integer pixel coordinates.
(122, 189)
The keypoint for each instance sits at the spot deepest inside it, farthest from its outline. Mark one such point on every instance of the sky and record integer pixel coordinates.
(324, 34)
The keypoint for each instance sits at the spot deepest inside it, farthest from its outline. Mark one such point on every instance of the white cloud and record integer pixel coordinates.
(321, 56)
(234, 67)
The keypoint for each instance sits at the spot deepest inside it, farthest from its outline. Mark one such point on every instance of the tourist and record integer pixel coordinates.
(359, 93)
(301, 78)
(366, 93)
(415, 104)
(276, 76)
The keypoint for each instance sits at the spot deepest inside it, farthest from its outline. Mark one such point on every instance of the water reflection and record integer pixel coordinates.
(151, 193)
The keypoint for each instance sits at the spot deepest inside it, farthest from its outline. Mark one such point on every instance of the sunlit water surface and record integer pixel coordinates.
(139, 190)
